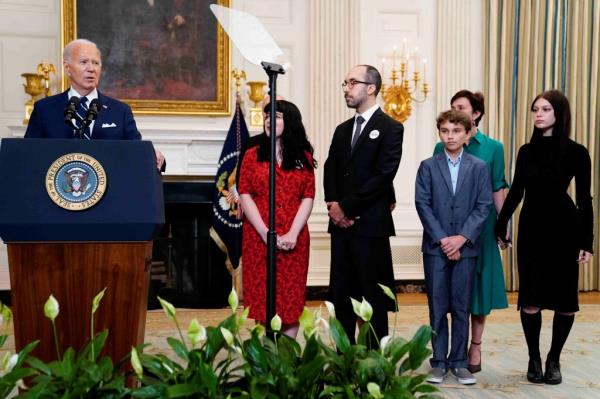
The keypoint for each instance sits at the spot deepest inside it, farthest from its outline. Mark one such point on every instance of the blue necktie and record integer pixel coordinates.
(81, 113)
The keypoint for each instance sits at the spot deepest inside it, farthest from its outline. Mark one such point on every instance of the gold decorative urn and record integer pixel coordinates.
(36, 84)
(257, 93)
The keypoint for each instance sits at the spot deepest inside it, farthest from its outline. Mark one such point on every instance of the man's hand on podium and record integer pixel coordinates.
(160, 160)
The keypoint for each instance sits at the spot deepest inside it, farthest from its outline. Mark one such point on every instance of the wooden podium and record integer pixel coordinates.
(73, 255)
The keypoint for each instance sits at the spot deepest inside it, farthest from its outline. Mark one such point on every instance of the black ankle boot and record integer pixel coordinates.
(552, 375)
(534, 371)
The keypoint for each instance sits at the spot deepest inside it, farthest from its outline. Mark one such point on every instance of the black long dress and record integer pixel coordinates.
(552, 229)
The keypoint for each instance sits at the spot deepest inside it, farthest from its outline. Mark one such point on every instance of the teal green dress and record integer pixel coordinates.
(489, 291)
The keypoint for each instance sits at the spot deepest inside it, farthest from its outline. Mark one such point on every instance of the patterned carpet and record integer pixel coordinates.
(504, 351)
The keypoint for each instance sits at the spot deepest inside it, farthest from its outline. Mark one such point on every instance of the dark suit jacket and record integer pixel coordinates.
(361, 179)
(115, 120)
(444, 213)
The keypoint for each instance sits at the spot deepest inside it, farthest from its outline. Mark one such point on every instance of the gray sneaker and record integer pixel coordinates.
(464, 376)
(436, 375)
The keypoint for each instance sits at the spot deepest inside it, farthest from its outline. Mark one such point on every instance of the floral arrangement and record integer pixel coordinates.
(216, 362)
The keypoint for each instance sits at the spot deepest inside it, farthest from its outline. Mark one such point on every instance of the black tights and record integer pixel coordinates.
(561, 327)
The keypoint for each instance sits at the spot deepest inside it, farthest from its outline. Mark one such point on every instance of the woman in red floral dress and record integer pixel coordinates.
(295, 185)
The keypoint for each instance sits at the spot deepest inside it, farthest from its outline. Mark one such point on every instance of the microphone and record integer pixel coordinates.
(71, 110)
(90, 116)
(93, 111)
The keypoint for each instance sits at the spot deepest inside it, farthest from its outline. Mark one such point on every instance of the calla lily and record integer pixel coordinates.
(276, 323)
(374, 390)
(362, 309)
(242, 319)
(136, 363)
(388, 292)
(97, 299)
(5, 313)
(168, 308)
(233, 300)
(196, 332)
(383, 343)
(307, 321)
(260, 329)
(330, 308)
(227, 335)
(355, 306)
(51, 308)
(8, 363)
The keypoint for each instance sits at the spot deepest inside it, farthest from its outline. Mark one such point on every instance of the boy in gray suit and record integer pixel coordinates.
(453, 195)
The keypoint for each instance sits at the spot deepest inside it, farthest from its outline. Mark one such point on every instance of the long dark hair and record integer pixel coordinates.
(551, 159)
(476, 100)
(562, 113)
(294, 142)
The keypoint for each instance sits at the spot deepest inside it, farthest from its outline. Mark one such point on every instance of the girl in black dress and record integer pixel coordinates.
(555, 234)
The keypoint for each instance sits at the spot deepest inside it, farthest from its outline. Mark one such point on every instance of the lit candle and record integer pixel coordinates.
(394, 58)
(424, 70)
(403, 47)
(383, 68)
(416, 59)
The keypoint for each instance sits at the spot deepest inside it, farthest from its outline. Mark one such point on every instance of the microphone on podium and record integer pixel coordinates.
(71, 110)
(93, 111)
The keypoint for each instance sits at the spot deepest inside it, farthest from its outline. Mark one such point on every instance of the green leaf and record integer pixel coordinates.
(178, 347)
(338, 335)
(181, 390)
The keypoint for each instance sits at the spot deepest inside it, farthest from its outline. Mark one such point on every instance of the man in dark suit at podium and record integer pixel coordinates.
(363, 159)
(83, 65)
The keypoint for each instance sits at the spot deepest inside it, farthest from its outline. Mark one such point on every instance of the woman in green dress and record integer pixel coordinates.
(489, 291)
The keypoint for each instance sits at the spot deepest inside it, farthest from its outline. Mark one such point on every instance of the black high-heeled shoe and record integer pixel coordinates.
(475, 368)
(534, 371)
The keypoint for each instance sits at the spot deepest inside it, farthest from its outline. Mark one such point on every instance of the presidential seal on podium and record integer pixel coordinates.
(76, 181)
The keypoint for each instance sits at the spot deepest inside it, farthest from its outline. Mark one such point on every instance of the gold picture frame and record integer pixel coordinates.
(155, 62)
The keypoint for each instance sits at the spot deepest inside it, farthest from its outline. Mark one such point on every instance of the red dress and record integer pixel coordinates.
(292, 266)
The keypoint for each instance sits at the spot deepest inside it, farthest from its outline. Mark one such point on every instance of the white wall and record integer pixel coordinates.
(30, 33)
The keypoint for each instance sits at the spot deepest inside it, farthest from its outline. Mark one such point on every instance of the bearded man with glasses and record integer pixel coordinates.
(363, 160)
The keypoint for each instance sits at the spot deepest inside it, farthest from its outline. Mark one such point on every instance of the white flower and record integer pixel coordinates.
(51, 308)
(168, 308)
(233, 300)
(276, 323)
(374, 390)
(330, 308)
(362, 309)
(136, 363)
(227, 335)
(196, 332)
(383, 343)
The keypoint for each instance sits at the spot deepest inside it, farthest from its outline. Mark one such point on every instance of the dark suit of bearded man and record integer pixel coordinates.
(358, 178)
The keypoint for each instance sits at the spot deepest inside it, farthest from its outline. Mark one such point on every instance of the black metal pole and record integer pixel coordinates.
(272, 71)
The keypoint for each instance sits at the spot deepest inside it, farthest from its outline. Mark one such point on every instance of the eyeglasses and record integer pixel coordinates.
(350, 83)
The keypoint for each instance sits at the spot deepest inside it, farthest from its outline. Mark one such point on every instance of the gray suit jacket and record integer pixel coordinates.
(444, 213)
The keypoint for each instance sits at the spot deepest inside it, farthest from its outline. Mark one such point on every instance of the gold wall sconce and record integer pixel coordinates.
(398, 97)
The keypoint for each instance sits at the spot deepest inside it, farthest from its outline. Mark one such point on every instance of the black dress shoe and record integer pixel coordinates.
(552, 375)
(534, 371)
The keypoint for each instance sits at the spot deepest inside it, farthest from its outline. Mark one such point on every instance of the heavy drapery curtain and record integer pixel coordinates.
(532, 46)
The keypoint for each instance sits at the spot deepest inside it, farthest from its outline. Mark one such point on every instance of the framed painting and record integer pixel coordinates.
(159, 56)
